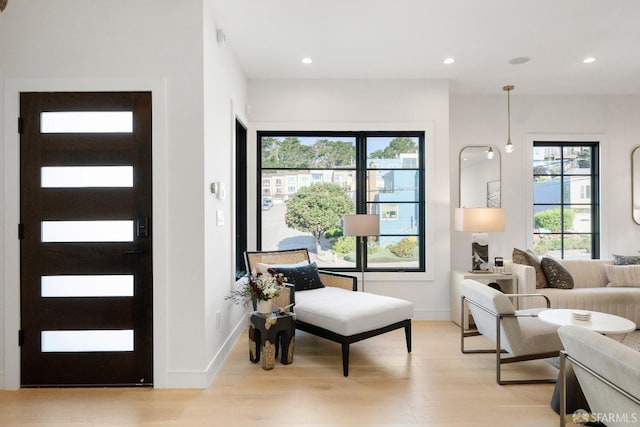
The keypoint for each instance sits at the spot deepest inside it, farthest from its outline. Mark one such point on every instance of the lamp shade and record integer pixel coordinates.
(479, 220)
(361, 225)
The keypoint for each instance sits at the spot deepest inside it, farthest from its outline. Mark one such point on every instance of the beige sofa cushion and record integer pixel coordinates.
(623, 275)
(530, 258)
(587, 273)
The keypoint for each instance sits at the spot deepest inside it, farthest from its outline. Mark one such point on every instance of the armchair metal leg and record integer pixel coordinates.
(563, 389)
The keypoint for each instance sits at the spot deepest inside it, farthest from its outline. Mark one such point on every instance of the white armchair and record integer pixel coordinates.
(519, 334)
(608, 373)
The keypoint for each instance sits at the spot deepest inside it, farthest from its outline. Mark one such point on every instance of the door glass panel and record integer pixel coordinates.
(86, 122)
(87, 286)
(84, 341)
(86, 176)
(87, 231)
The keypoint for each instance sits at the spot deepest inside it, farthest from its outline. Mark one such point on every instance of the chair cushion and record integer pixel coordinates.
(347, 312)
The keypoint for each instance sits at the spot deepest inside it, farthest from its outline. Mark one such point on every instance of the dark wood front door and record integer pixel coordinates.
(85, 250)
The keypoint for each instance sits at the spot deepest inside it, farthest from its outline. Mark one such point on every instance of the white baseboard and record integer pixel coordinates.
(444, 314)
(202, 379)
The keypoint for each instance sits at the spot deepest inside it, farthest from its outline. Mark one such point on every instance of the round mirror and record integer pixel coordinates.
(480, 177)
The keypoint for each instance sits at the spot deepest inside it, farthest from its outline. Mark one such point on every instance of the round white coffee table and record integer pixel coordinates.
(603, 323)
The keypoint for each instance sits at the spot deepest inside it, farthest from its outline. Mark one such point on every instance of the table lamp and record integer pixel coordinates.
(479, 221)
(361, 226)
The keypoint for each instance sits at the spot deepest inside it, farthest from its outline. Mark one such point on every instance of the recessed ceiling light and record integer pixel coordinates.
(519, 60)
(307, 60)
(589, 60)
(449, 61)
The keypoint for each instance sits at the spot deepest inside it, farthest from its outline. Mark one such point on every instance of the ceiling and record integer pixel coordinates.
(409, 39)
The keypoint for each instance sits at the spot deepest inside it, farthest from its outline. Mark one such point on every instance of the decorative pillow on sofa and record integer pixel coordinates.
(303, 277)
(264, 268)
(530, 258)
(623, 275)
(557, 275)
(625, 259)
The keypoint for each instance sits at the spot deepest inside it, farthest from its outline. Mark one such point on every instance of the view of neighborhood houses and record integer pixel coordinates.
(562, 201)
(309, 183)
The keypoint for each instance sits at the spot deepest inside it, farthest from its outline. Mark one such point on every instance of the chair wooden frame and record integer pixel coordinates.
(328, 279)
(498, 349)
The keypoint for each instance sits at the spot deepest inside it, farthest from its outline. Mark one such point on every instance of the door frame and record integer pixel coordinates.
(10, 251)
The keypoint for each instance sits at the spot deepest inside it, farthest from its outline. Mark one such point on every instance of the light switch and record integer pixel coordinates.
(219, 217)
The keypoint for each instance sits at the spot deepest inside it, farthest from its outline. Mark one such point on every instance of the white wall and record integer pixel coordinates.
(612, 120)
(224, 102)
(152, 45)
(374, 105)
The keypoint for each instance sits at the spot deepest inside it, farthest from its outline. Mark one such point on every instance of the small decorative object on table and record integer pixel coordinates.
(258, 289)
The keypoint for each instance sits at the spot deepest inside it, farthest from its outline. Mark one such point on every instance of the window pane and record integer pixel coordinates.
(87, 286)
(547, 161)
(306, 214)
(398, 218)
(392, 185)
(547, 190)
(87, 231)
(308, 152)
(577, 160)
(87, 341)
(580, 217)
(546, 219)
(86, 122)
(578, 189)
(577, 246)
(394, 252)
(392, 152)
(86, 176)
(548, 245)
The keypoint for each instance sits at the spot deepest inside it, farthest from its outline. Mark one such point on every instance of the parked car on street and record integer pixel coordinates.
(267, 204)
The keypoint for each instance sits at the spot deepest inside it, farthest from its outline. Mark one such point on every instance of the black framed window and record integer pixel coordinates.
(308, 180)
(241, 201)
(566, 208)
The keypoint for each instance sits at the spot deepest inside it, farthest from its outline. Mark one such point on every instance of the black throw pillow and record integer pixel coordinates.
(557, 275)
(303, 277)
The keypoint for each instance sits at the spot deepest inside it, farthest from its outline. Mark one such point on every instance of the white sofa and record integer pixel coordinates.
(590, 291)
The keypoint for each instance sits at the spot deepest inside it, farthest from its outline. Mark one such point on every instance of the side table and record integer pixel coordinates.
(508, 283)
(269, 334)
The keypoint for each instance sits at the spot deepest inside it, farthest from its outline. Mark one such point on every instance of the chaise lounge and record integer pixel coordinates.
(328, 305)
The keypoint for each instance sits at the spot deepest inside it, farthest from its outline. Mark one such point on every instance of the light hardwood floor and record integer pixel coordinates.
(435, 385)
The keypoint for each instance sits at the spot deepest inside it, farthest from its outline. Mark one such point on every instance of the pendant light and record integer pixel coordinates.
(509, 147)
(490, 153)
